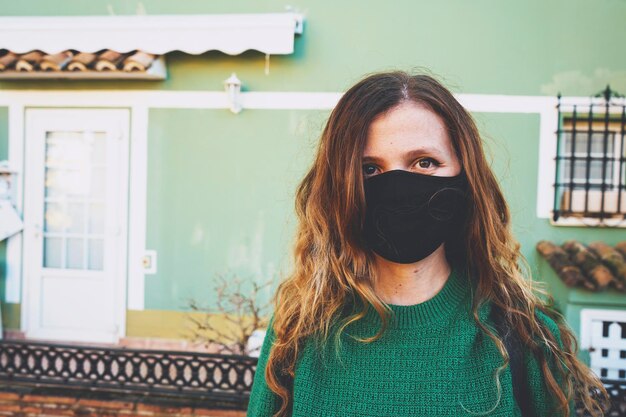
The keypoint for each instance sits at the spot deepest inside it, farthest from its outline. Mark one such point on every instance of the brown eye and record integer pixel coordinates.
(426, 163)
(369, 169)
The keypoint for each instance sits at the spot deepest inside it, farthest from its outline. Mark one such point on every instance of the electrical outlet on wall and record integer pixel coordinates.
(149, 262)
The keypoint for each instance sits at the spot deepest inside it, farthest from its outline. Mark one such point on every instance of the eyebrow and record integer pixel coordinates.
(408, 155)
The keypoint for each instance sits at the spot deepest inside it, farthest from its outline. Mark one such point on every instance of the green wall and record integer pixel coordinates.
(481, 46)
(221, 186)
(221, 196)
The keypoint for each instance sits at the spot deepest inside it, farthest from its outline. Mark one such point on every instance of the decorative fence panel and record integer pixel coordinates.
(214, 377)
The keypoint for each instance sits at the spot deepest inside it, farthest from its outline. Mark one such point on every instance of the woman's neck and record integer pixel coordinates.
(409, 284)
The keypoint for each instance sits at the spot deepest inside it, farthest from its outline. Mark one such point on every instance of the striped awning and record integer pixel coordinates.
(270, 33)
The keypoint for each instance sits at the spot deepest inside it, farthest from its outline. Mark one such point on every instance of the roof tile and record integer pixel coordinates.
(596, 266)
(70, 60)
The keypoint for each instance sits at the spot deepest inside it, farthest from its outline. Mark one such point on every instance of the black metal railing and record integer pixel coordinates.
(224, 379)
(590, 180)
(617, 391)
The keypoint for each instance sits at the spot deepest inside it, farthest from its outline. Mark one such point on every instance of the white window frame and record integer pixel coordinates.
(547, 164)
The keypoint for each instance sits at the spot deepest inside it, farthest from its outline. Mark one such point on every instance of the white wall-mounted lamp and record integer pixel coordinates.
(233, 88)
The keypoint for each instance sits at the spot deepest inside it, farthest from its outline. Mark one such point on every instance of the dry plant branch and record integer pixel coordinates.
(239, 311)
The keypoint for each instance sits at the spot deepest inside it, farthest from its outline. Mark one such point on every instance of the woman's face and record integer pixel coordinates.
(410, 137)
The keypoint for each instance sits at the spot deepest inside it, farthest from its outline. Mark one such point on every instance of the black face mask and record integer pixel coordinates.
(409, 215)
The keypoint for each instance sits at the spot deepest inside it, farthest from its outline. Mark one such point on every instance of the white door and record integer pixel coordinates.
(75, 224)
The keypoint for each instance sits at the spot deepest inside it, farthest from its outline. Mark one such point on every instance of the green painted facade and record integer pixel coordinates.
(221, 196)
(484, 46)
(221, 186)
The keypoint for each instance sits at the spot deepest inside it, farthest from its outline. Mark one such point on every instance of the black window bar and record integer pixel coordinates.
(590, 180)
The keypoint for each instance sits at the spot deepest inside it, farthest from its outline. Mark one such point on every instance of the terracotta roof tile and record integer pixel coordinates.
(71, 60)
(596, 266)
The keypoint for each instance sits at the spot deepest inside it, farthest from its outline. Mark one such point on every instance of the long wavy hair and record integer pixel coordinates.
(332, 265)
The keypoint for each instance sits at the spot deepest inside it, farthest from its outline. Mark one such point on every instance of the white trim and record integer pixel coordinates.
(548, 123)
(588, 222)
(138, 206)
(596, 101)
(587, 315)
(487, 103)
(169, 99)
(300, 101)
(495, 103)
(270, 33)
(14, 243)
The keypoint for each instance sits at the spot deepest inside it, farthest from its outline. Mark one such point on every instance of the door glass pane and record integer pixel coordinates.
(75, 253)
(53, 181)
(75, 205)
(96, 218)
(98, 183)
(55, 218)
(53, 252)
(95, 254)
(76, 217)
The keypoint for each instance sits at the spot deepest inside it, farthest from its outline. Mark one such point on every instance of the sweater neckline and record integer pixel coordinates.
(436, 309)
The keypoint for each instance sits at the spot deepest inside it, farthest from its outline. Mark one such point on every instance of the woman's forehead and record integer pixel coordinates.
(407, 127)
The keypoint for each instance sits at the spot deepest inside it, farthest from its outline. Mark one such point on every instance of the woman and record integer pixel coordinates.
(404, 260)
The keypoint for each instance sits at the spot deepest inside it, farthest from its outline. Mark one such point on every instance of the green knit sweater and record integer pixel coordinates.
(432, 361)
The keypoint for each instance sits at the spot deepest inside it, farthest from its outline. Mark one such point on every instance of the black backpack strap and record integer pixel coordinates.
(518, 371)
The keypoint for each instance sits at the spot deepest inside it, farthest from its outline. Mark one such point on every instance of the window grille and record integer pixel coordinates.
(590, 177)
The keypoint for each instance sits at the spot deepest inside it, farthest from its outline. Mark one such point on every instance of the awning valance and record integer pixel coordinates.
(270, 33)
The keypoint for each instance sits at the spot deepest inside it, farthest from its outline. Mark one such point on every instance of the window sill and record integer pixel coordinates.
(588, 222)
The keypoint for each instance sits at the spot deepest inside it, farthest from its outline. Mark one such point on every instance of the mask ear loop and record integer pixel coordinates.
(449, 214)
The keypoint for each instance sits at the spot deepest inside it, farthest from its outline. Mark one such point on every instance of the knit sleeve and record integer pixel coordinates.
(542, 397)
(263, 401)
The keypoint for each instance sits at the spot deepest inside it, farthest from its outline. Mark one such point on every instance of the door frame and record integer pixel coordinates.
(33, 202)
